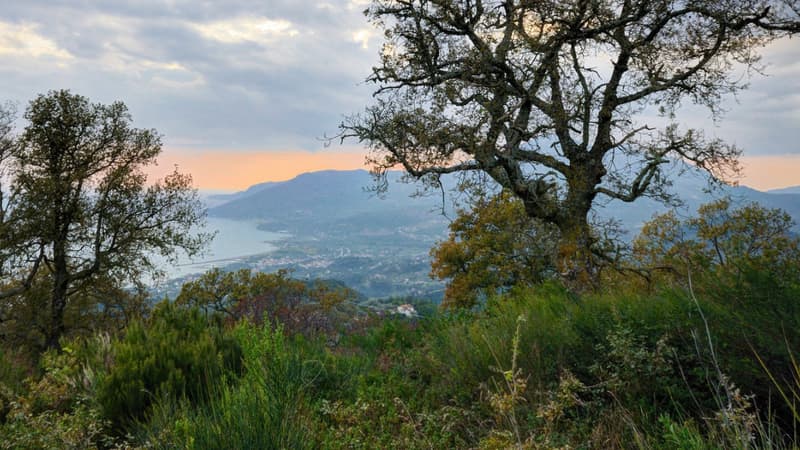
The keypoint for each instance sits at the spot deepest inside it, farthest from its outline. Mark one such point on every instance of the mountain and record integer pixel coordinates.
(340, 230)
(215, 199)
(312, 200)
(694, 194)
(329, 197)
(786, 190)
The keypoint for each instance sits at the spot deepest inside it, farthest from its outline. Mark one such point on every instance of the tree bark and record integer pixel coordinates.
(575, 254)
(59, 294)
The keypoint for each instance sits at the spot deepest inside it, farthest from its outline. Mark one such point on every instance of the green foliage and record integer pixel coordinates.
(538, 367)
(744, 265)
(722, 240)
(635, 372)
(684, 436)
(58, 409)
(177, 354)
(81, 210)
(491, 248)
(266, 408)
(547, 339)
(101, 306)
(301, 307)
(12, 375)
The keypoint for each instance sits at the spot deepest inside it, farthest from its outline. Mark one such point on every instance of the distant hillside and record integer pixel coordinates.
(786, 190)
(339, 230)
(338, 198)
(330, 197)
(693, 194)
(380, 246)
(219, 199)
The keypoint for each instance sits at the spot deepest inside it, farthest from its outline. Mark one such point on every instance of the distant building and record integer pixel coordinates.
(407, 310)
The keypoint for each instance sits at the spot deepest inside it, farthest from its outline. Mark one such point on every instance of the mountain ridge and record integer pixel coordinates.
(331, 196)
(785, 190)
(337, 228)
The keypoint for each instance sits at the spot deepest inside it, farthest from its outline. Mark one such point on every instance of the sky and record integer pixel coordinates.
(247, 91)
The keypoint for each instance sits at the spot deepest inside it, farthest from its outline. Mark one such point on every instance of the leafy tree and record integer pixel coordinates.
(300, 306)
(100, 306)
(491, 247)
(546, 97)
(744, 262)
(744, 267)
(217, 291)
(721, 239)
(19, 258)
(81, 206)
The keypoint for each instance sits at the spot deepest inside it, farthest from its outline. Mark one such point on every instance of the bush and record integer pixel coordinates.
(177, 355)
(56, 409)
(266, 408)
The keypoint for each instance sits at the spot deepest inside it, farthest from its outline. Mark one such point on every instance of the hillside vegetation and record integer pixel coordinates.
(695, 352)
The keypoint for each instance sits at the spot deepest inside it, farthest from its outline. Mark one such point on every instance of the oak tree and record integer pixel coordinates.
(548, 97)
(82, 208)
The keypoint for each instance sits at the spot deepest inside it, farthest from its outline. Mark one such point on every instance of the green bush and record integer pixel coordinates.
(462, 351)
(177, 355)
(265, 408)
(56, 408)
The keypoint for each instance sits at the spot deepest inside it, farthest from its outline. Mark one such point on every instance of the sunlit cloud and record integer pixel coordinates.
(167, 74)
(362, 37)
(247, 29)
(24, 41)
(358, 4)
(249, 74)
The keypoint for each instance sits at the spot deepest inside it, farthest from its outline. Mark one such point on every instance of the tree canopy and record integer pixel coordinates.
(491, 247)
(300, 306)
(724, 239)
(79, 206)
(548, 98)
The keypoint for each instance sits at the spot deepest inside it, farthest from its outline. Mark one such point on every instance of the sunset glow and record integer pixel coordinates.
(770, 172)
(234, 171)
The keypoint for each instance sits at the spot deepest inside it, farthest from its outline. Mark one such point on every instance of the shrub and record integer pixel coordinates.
(265, 408)
(56, 408)
(177, 354)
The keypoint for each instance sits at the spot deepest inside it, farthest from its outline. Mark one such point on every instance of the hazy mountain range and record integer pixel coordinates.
(786, 190)
(313, 199)
(379, 245)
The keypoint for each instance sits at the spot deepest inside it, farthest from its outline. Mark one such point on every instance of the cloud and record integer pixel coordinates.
(362, 36)
(764, 119)
(24, 41)
(250, 74)
(247, 29)
(239, 74)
